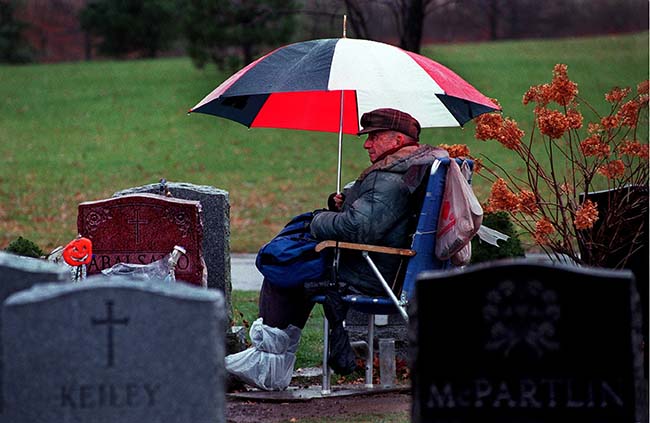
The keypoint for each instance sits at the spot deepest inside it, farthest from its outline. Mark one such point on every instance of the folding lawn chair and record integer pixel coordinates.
(420, 257)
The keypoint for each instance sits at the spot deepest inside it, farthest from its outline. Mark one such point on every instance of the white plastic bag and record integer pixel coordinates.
(461, 215)
(268, 364)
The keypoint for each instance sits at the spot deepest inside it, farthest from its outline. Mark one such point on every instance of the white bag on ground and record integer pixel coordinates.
(268, 364)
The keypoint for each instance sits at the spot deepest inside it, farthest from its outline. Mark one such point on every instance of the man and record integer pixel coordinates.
(380, 208)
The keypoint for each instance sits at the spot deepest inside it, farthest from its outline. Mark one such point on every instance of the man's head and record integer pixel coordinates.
(388, 130)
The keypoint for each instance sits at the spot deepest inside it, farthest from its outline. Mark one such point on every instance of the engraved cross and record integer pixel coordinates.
(109, 322)
(137, 223)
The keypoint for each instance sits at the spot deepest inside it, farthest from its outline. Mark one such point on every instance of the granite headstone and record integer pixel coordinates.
(18, 273)
(114, 350)
(632, 235)
(515, 341)
(141, 229)
(215, 209)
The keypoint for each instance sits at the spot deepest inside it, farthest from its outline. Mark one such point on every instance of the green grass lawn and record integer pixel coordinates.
(80, 131)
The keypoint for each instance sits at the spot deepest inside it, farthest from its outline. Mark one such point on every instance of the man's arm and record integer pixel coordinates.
(383, 201)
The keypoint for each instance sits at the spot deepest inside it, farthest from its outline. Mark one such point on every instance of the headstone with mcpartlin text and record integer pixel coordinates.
(143, 228)
(114, 350)
(521, 341)
(18, 273)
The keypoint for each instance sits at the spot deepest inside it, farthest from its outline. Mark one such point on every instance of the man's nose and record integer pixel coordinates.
(367, 144)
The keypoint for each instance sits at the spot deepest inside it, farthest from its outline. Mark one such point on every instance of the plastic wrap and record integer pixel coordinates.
(268, 364)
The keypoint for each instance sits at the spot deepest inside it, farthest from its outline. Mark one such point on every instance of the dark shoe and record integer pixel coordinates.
(341, 357)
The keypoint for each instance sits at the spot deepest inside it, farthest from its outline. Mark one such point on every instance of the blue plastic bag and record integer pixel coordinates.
(290, 259)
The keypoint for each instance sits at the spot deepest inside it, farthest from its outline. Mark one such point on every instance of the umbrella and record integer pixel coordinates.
(327, 84)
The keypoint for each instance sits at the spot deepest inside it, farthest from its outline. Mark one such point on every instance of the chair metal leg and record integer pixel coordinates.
(387, 288)
(325, 387)
(370, 357)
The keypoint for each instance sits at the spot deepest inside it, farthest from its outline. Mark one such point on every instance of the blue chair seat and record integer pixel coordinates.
(365, 304)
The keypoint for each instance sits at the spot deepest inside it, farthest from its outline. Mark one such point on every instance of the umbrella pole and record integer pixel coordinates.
(338, 173)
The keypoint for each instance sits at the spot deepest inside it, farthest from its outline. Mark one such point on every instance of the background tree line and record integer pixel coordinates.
(232, 32)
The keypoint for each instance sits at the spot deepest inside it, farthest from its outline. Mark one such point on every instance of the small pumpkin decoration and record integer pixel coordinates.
(79, 251)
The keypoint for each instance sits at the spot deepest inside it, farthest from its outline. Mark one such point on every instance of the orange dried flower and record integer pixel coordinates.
(551, 122)
(501, 198)
(487, 126)
(510, 135)
(593, 128)
(539, 94)
(609, 122)
(633, 148)
(629, 113)
(563, 90)
(528, 202)
(478, 165)
(456, 150)
(594, 146)
(543, 228)
(575, 119)
(586, 215)
(493, 126)
(617, 94)
(613, 169)
(642, 88)
(567, 188)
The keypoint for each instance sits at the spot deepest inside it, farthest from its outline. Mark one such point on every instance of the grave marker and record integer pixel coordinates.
(18, 273)
(215, 210)
(515, 341)
(115, 350)
(141, 229)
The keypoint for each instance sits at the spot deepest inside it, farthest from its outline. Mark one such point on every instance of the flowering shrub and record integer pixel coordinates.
(563, 159)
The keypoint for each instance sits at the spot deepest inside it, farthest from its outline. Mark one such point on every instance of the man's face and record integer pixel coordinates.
(379, 142)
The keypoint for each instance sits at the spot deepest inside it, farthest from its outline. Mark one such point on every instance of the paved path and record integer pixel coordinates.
(246, 277)
(244, 274)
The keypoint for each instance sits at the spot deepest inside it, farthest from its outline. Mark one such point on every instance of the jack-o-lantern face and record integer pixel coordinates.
(78, 252)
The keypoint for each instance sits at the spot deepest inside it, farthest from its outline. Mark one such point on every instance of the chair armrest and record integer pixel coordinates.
(364, 247)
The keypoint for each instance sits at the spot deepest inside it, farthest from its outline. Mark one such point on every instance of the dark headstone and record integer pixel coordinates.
(515, 341)
(18, 273)
(113, 350)
(141, 229)
(630, 227)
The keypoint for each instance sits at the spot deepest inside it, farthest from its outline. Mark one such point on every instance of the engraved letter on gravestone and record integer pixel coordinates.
(141, 229)
(112, 350)
(523, 341)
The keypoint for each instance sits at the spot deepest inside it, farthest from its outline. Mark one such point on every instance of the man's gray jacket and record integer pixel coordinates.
(381, 208)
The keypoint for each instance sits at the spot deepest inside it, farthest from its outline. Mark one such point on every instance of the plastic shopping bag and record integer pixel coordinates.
(461, 216)
(268, 364)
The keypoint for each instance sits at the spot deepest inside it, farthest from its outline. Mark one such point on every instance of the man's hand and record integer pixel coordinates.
(335, 201)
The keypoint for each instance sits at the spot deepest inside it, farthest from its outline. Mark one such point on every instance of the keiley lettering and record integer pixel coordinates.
(128, 395)
(526, 393)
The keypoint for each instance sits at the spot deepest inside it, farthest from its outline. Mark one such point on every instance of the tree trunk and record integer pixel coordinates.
(411, 33)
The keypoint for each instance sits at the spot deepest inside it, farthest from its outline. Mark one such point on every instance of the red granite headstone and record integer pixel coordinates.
(141, 229)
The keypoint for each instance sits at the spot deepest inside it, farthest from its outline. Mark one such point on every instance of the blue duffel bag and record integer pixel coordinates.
(289, 259)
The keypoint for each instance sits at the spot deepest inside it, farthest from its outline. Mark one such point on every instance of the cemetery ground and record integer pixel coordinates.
(387, 408)
(377, 408)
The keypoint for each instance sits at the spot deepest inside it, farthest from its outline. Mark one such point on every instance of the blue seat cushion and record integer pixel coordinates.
(365, 304)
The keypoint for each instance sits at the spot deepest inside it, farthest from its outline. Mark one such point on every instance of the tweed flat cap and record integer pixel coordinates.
(390, 120)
